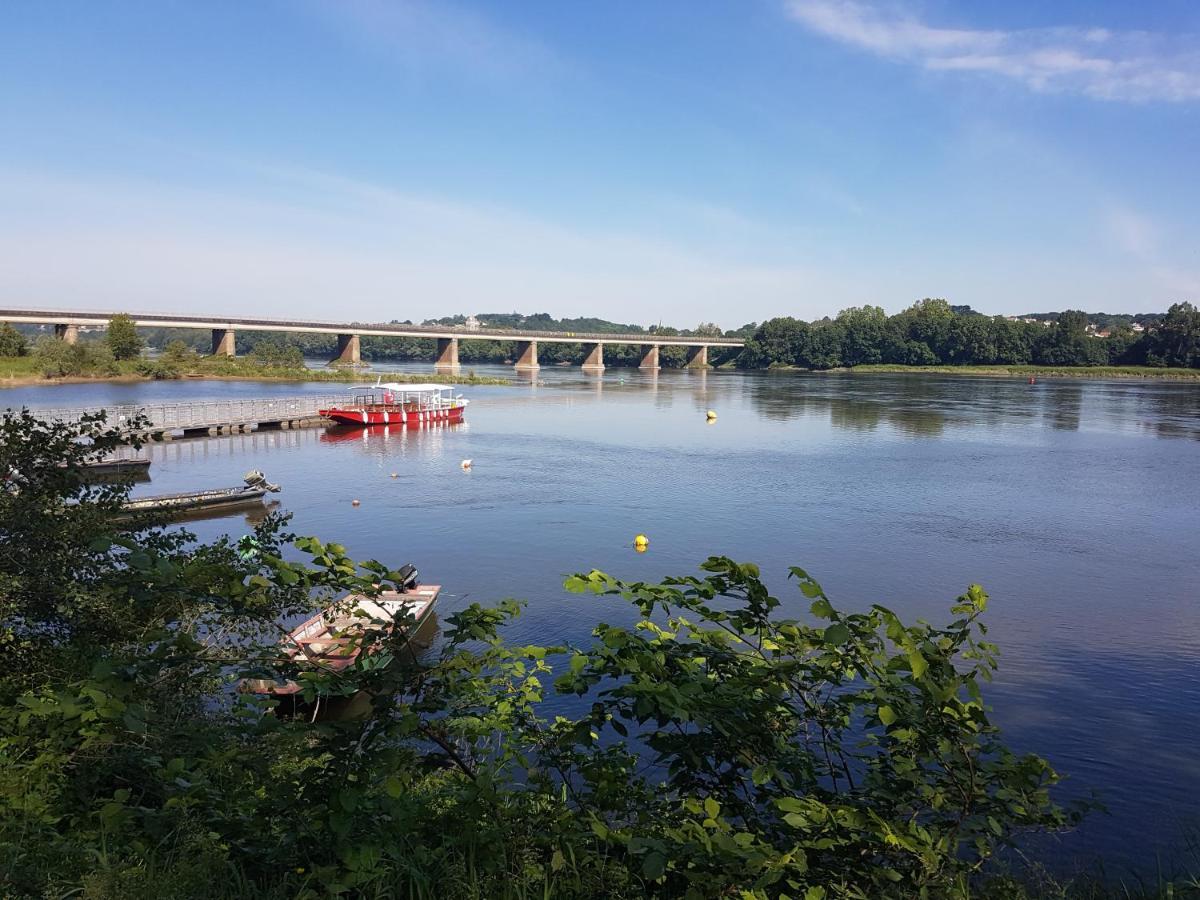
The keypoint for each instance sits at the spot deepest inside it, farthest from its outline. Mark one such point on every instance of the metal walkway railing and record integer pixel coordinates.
(203, 413)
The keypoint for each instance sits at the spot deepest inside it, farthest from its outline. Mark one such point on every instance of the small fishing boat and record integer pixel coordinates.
(255, 488)
(410, 405)
(115, 465)
(333, 639)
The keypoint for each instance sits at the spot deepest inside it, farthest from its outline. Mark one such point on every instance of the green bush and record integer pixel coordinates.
(276, 354)
(56, 358)
(729, 742)
(159, 369)
(12, 342)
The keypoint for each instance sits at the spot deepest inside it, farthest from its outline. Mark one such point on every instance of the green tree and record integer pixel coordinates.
(782, 341)
(970, 340)
(122, 338)
(864, 335)
(1014, 341)
(12, 342)
(824, 349)
(1068, 343)
(1175, 341)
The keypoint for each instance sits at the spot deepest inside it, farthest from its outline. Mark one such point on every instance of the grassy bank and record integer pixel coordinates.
(1155, 373)
(22, 371)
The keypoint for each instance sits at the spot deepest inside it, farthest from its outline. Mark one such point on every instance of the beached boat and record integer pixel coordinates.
(333, 639)
(255, 488)
(410, 405)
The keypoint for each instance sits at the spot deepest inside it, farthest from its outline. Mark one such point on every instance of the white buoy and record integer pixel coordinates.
(466, 464)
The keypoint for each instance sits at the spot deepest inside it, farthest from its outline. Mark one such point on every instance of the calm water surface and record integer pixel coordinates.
(1076, 504)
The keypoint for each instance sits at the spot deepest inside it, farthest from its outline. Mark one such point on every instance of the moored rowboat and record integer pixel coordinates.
(255, 488)
(117, 466)
(333, 639)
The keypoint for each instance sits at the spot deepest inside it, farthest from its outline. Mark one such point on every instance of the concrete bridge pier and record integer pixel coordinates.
(223, 342)
(349, 351)
(527, 355)
(68, 333)
(447, 354)
(698, 358)
(649, 357)
(594, 361)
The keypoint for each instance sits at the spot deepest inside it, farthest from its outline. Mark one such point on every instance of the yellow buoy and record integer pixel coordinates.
(711, 415)
(641, 542)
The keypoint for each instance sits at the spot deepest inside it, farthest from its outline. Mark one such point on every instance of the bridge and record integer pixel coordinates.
(67, 324)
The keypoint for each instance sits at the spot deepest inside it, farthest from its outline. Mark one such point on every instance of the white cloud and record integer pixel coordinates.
(1105, 65)
(1132, 232)
(437, 33)
(1145, 241)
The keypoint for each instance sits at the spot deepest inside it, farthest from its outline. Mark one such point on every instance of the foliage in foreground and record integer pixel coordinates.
(728, 742)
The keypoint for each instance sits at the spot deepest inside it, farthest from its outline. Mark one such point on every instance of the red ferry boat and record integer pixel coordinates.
(411, 405)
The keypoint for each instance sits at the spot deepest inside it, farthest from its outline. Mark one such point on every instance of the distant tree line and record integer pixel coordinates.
(932, 332)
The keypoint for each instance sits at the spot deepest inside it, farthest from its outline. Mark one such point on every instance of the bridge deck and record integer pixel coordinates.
(170, 320)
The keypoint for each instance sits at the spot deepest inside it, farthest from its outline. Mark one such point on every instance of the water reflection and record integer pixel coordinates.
(909, 409)
(251, 514)
(1176, 412)
(1062, 404)
(384, 434)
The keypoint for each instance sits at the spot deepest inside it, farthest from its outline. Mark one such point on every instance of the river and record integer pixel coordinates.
(1075, 503)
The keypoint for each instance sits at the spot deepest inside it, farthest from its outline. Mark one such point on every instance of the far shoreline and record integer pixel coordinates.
(1087, 373)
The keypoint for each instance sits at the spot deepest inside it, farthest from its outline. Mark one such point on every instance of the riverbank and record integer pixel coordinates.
(25, 371)
(1142, 373)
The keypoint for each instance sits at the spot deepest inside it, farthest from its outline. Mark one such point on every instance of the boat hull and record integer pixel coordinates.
(179, 503)
(410, 418)
(116, 467)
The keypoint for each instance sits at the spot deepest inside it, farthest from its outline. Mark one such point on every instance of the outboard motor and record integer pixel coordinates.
(255, 479)
(406, 577)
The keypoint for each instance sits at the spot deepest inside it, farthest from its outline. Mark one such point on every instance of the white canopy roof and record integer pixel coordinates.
(405, 388)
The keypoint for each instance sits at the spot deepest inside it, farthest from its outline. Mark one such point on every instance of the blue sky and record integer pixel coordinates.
(678, 160)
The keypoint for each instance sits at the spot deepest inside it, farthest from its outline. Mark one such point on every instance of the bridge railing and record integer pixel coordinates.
(202, 413)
